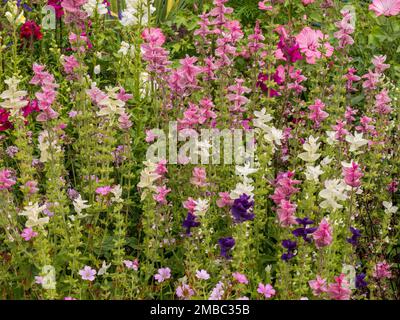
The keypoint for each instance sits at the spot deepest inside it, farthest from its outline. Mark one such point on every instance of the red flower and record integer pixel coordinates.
(30, 30)
(4, 123)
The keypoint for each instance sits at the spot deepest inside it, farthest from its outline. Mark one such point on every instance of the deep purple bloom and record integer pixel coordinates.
(242, 209)
(291, 247)
(360, 281)
(304, 231)
(355, 235)
(226, 244)
(190, 222)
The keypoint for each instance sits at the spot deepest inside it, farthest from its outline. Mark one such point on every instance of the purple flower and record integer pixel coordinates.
(360, 281)
(355, 235)
(290, 49)
(190, 222)
(304, 231)
(226, 244)
(87, 273)
(242, 209)
(291, 247)
(163, 274)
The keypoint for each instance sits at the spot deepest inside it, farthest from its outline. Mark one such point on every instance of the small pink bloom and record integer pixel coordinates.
(224, 200)
(134, 265)
(184, 291)
(352, 175)
(382, 270)
(28, 234)
(87, 273)
(199, 177)
(318, 286)
(340, 289)
(262, 5)
(161, 194)
(286, 212)
(241, 278)
(202, 274)
(69, 298)
(103, 190)
(323, 235)
(163, 274)
(6, 179)
(267, 290)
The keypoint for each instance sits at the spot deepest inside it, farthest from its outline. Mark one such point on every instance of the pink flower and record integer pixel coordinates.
(237, 96)
(124, 122)
(382, 104)
(262, 5)
(309, 43)
(199, 177)
(286, 212)
(69, 298)
(379, 63)
(161, 194)
(352, 175)
(28, 233)
(32, 186)
(161, 168)
(202, 274)
(372, 79)
(307, 2)
(163, 274)
(267, 290)
(340, 289)
(385, 7)
(318, 114)
(87, 273)
(150, 136)
(382, 270)
(38, 279)
(224, 200)
(184, 291)
(6, 179)
(103, 190)
(70, 64)
(154, 36)
(241, 278)
(190, 204)
(323, 235)
(318, 286)
(134, 265)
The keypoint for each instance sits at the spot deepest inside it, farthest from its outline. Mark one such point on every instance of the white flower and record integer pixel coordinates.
(356, 141)
(48, 278)
(14, 100)
(331, 137)
(261, 119)
(124, 48)
(312, 173)
(104, 268)
(273, 136)
(130, 16)
(44, 146)
(92, 5)
(240, 189)
(201, 207)
(32, 212)
(148, 176)
(335, 190)
(245, 170)
(389, 207)
(12, 15)
(325, 161)
(80, 205)
(117, 192)
(311, 148)
(96, 69)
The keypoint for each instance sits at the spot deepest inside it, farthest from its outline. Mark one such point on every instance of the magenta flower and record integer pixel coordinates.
(163, 274)
(352, 175)
(382, 270)
(323, 235)
(28, 234)
(103, 190)
(318, 114)
(87, 273)
(318, 286)
(6, 179)
(340, 289)
(241, 278)
(267, 290)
